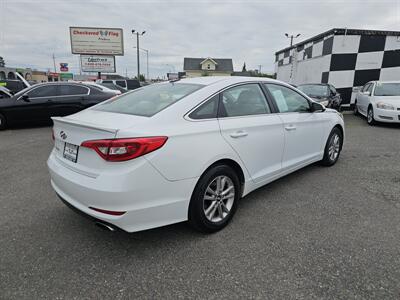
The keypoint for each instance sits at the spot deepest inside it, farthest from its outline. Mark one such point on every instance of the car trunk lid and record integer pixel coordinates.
(71, 131)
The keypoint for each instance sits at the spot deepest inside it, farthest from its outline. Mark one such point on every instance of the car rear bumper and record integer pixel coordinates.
(147, 198)
(388, 116)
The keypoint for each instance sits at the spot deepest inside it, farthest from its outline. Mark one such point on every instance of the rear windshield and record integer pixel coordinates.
(387, 89)
(149, 100)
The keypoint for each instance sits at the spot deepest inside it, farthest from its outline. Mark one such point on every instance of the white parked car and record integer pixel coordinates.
(187, 150)
(379, 101)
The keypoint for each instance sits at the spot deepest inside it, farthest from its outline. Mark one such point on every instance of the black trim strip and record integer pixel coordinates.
(85, 215)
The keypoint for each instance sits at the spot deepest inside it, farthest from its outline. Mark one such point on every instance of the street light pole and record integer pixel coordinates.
(147, 61)
(292, 37)
(137, 52)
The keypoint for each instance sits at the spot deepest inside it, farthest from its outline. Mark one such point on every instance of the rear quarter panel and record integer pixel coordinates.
(190, 149)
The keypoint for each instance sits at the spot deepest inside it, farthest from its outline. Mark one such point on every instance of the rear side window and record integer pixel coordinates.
(70, 90)
(243, 100)
(208, 110)
(149, 100)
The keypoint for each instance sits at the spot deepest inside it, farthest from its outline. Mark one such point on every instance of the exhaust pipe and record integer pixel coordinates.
(105, 226)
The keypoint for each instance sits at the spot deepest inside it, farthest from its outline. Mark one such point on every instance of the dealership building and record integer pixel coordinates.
(345, 58)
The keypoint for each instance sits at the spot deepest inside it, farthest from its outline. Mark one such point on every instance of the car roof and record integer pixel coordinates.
(60, 82)
(387, 81)
(209, 80)
(313, 84)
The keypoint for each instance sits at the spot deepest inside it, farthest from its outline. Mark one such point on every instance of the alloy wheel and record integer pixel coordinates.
(334, 147)
(370, 116)
(218, 199)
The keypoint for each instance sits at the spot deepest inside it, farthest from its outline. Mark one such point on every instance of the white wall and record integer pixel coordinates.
(310, 71)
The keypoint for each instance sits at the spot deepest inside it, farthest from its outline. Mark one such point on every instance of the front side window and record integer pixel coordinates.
(288, 100)
(43, 91)
(208, 110)
(333, 89)
(369, 89)
(243, 100)
(365, 87)
(387, 89)
(149, 100)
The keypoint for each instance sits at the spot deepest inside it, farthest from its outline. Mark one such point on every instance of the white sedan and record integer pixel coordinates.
(187, 150)
(379, 101)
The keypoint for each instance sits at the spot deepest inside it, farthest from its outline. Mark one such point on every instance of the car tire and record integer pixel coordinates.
(370, 116)
(355, 111)
(214, 199)
(2, 122)
(333, 147)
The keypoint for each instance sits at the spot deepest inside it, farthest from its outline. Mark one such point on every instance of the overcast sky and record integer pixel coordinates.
(246, 31)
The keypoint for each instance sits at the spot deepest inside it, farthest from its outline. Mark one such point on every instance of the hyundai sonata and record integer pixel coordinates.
(187, 150)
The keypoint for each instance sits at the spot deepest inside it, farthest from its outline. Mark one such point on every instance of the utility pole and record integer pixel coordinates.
(292, 37)
(54, 63)
(137, 50)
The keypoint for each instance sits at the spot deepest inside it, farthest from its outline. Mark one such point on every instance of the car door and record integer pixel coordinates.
(255, 134)
(34, 104)
(69, 99)
(303, 129)
(368, 96)
(362, 98)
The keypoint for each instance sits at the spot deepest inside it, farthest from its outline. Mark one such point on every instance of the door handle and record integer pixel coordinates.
(290, 127)
(238, 134)
(49, 101)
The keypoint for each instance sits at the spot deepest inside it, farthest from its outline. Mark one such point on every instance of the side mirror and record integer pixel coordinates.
(366, 93)
(25, 98)
(316, 107)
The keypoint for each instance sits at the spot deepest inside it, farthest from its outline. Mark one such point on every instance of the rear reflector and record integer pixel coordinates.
(109, 212)
(125, 149)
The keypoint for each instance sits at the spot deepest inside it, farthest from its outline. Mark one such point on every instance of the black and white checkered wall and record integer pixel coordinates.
(346, 61)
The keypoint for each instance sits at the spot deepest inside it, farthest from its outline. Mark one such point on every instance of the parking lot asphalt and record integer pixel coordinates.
(318, 233)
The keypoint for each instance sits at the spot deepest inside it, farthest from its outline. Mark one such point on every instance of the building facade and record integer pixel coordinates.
(9, 73)
(196, 67)
(345, 58)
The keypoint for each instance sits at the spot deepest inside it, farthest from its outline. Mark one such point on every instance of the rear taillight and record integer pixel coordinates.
(52, 134)
(125, 149)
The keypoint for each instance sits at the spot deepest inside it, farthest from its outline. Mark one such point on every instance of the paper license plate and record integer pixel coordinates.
(71, 152)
